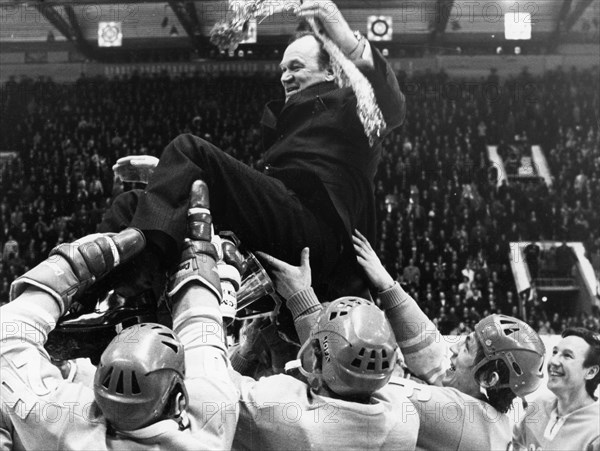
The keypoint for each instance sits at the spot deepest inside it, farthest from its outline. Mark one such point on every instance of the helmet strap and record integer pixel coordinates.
(183, 420)
(175, 408)
(483, 391)
(311, 377)
(301, 353)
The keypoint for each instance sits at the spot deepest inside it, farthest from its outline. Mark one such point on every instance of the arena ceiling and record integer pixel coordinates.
(154, 23)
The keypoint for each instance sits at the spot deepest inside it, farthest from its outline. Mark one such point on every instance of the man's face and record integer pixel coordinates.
(565, 368)
(462, 362)
(300, 66)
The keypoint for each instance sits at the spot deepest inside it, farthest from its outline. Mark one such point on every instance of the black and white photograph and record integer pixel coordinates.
(300, 225)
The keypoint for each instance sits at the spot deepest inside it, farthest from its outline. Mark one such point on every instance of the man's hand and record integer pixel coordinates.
(368, 259)
(289, 279)
(329, 20)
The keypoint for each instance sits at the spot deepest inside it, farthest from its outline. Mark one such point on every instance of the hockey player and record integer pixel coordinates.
(466, 407)
(345, 402)
(462, 408)
(567, 417)
(154, 388)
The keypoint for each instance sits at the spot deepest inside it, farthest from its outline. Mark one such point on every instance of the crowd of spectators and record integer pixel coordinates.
(444, 223)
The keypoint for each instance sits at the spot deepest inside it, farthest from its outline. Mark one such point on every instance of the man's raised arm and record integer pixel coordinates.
(357, 49)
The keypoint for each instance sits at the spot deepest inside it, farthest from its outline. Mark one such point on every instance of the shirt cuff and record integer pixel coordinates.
(367, 53)
(393, 297)
(304, 302)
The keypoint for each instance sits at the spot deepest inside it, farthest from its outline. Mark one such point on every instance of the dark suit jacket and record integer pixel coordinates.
(317, 146)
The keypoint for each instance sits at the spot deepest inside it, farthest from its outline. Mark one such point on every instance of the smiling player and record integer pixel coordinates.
(569, 417)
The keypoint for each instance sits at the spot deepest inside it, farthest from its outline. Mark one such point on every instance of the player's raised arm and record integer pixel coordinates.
(29, 378)
(423, 347)
(293, 283)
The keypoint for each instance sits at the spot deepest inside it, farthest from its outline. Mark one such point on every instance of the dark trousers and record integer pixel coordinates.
(258, 208)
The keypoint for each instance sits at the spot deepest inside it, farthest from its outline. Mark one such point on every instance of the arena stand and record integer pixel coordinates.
(440, 211)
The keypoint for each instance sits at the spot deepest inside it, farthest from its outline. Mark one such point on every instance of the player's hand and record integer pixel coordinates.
(251, 343)
(198, 261)
(288, 279)
(73, 267)
(368, 259)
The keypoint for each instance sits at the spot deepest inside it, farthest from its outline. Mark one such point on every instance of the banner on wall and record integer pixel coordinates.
(110, 34)
(379, 28)
(517, 26)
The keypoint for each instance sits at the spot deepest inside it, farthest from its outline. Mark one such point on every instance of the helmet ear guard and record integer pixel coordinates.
(140, 374)
(514, 342)
(358, 347)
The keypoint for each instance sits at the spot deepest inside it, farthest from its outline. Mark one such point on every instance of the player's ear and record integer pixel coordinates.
(181, 402)
(330, 76)
(489, 379)
(591, 372)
